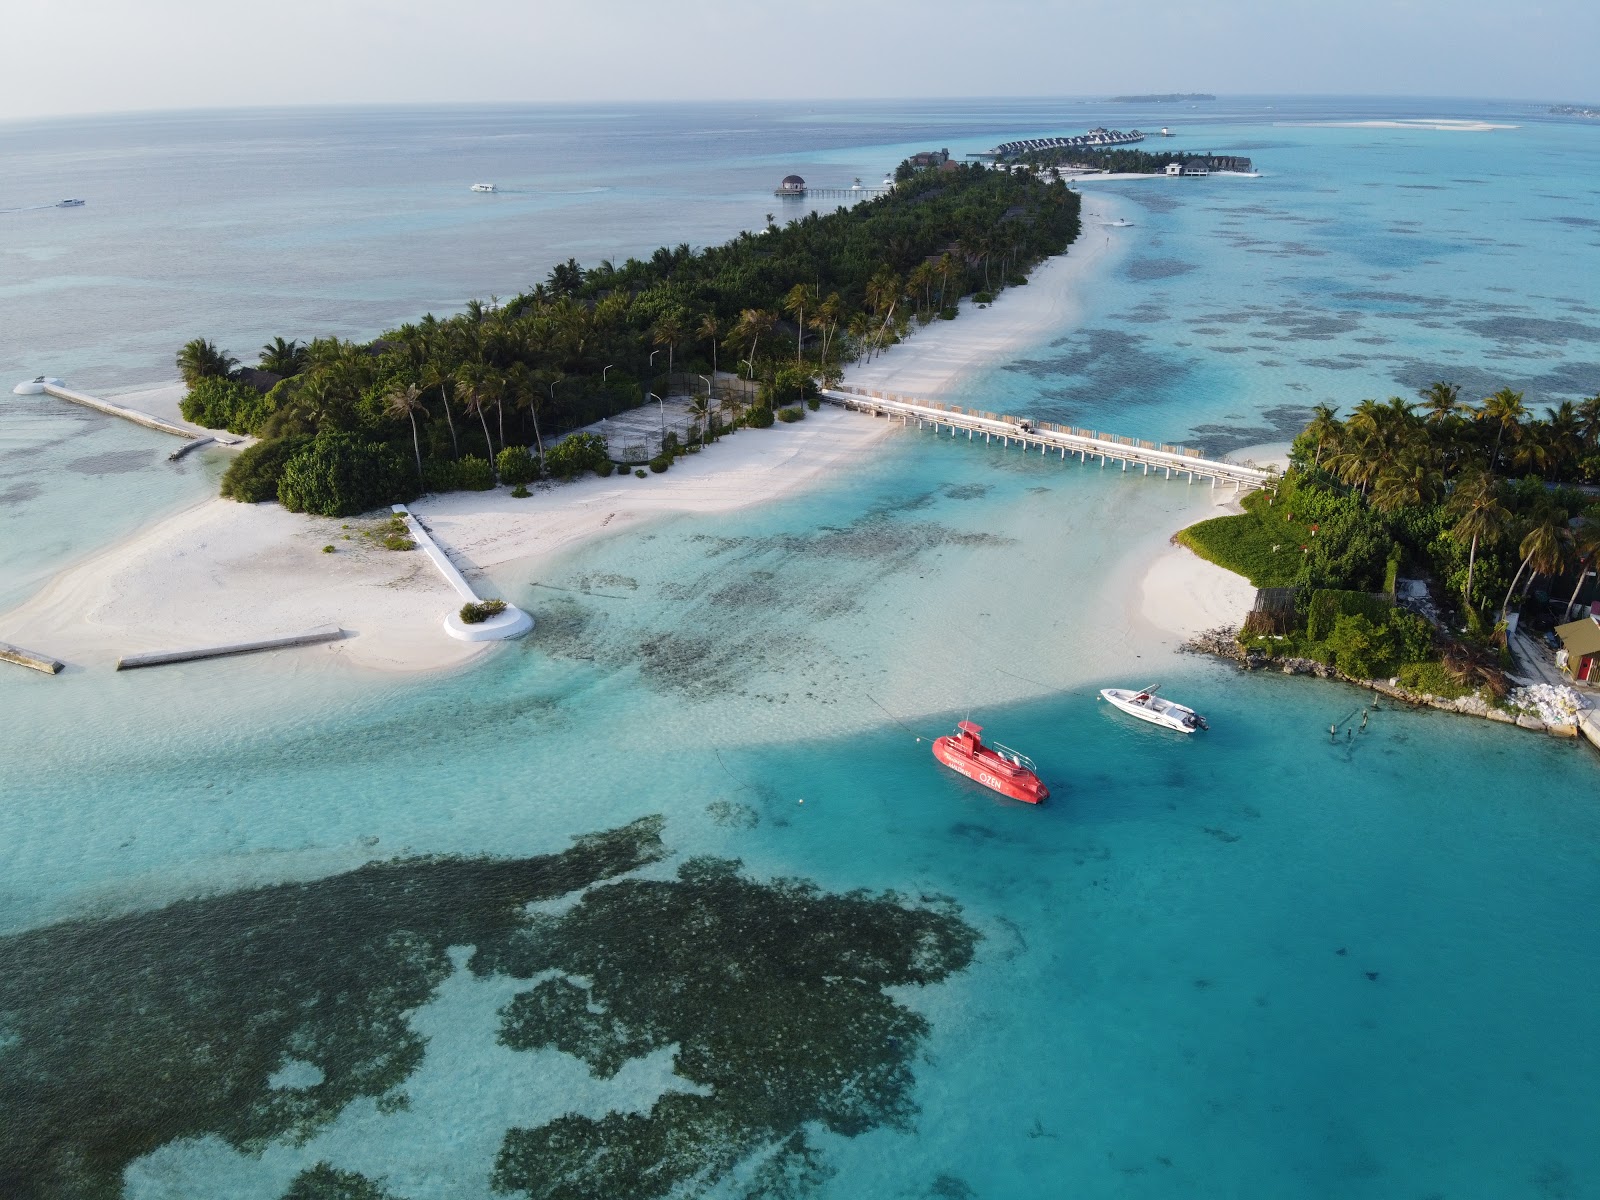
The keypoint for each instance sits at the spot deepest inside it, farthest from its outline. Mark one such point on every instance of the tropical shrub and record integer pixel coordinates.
(253, 476)
(1328, 605)
(759, 417)
(516, 465)
(790, 415)
(1360, 648)
(575, 454)
(640, 473)
(220, 403)
(474, 474)
(605, 468)
(339, 474)
(660, 463)
(479, 612)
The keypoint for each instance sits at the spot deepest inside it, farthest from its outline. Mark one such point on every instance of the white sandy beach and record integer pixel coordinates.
(222, 571)
(1434, 124)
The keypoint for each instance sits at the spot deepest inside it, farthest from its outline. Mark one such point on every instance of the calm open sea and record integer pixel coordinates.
(1253, 963)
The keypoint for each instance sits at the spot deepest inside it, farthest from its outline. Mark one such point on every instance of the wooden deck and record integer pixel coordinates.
(1046, 437)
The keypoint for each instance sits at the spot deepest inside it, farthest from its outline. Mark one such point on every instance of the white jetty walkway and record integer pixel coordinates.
(1045, 436)
(510, 623)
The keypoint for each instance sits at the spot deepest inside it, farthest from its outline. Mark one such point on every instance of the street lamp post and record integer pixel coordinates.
(703, 430)
(663, 404)
(603, 371)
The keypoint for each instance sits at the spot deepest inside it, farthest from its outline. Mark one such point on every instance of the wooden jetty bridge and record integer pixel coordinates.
(1045, 436)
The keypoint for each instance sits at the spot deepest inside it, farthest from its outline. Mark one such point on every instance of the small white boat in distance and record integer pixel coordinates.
(1148, 706)
(484, 187)
(70, 203)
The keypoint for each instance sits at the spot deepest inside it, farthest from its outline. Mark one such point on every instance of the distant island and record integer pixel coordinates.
(1574, 110)
(1165, 98)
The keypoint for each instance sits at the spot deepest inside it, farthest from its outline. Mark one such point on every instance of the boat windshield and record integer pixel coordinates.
(1016, 758)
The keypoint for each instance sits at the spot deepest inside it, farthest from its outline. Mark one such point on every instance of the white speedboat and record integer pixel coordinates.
(484, 187)
(70, 203)
(1158, 710)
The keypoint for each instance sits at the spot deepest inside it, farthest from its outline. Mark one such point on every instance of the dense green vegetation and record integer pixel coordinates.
(1432, 490)
(419, 407)
(1119, 159)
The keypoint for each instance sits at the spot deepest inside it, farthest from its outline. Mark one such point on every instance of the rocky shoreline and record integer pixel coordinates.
(1224, 643)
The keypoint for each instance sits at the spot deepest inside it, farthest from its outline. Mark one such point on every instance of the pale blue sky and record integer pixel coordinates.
(113, 55)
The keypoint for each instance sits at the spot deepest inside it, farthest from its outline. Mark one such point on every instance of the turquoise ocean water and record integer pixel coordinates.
(1254, 963)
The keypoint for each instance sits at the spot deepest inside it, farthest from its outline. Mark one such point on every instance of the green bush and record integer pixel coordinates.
(641, 474)
(327, 549)
(605, 468)
(339, 474)
(516, 465)
(1360, 648)
(759, 417)
(474, 474)
(947, 313)
(1328, 605)
(520, 492)
(220, 403)
(253, 476)
(575, 454)
(813, 404)
(983, 297)
(660, 463)
(478, 613)
(1432, 678)
(790, 415)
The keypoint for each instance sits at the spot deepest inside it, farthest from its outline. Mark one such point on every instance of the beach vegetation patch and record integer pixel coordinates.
(516, 466)
(660, 463)
(759, 417)
(476, 612)
(790, 415)
(640, 473)
(341, 474)
(218, 402)
(577, 454)
(252, 477)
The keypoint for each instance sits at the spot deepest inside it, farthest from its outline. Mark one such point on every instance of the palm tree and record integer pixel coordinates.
(1480, 517)
(829, 311)
(200, 359)
(286, 358)
(407, 402)
(1506, 410)
(710, 330)
(700, 407)
(1563, 434)
(1412, 480)
(668, 332)
(801, 297)
(1589, 421)
(471, 387)
(1544, 548)
(753, 322)
(1586, 547)
(437, 375)
(1325, 428)
(1443, 402)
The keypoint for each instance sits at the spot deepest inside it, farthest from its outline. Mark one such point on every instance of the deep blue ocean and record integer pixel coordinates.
(1253, 963)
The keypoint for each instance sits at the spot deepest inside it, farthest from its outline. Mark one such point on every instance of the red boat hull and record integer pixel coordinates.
(978, 763)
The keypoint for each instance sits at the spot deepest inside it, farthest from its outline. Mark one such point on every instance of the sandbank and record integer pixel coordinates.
(222, 571)
(1436, 124)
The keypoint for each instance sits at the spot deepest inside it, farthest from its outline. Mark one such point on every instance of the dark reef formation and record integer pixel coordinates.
(119, 1035)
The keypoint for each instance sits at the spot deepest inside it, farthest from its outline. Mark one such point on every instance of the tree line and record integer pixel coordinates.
(434, 404)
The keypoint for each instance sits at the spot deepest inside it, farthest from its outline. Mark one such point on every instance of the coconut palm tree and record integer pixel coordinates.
(1480, 517)
(1411, 480)
(407, 402)
(829, 312)
(752, 324)
(800, 297)
(200, 359)
(710, 330)
(1586, 548)
(1543, 547)
(286, 358)
(668, 332)
(1589, 421)
(1442, 402)
(1325, 428)
(700, 407)
(436, 375)
(473, 389)
(1505, 411)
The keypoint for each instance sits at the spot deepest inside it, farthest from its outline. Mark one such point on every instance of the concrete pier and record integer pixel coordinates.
(513, 622)
(62, 392)
(323, 633)
(1085, 443)
(27, 658)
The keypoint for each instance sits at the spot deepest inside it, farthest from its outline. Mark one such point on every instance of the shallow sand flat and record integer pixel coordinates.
(222, 571)
(1436, 124)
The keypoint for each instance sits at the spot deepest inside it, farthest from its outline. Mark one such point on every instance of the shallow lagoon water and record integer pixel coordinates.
(1252, 962)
